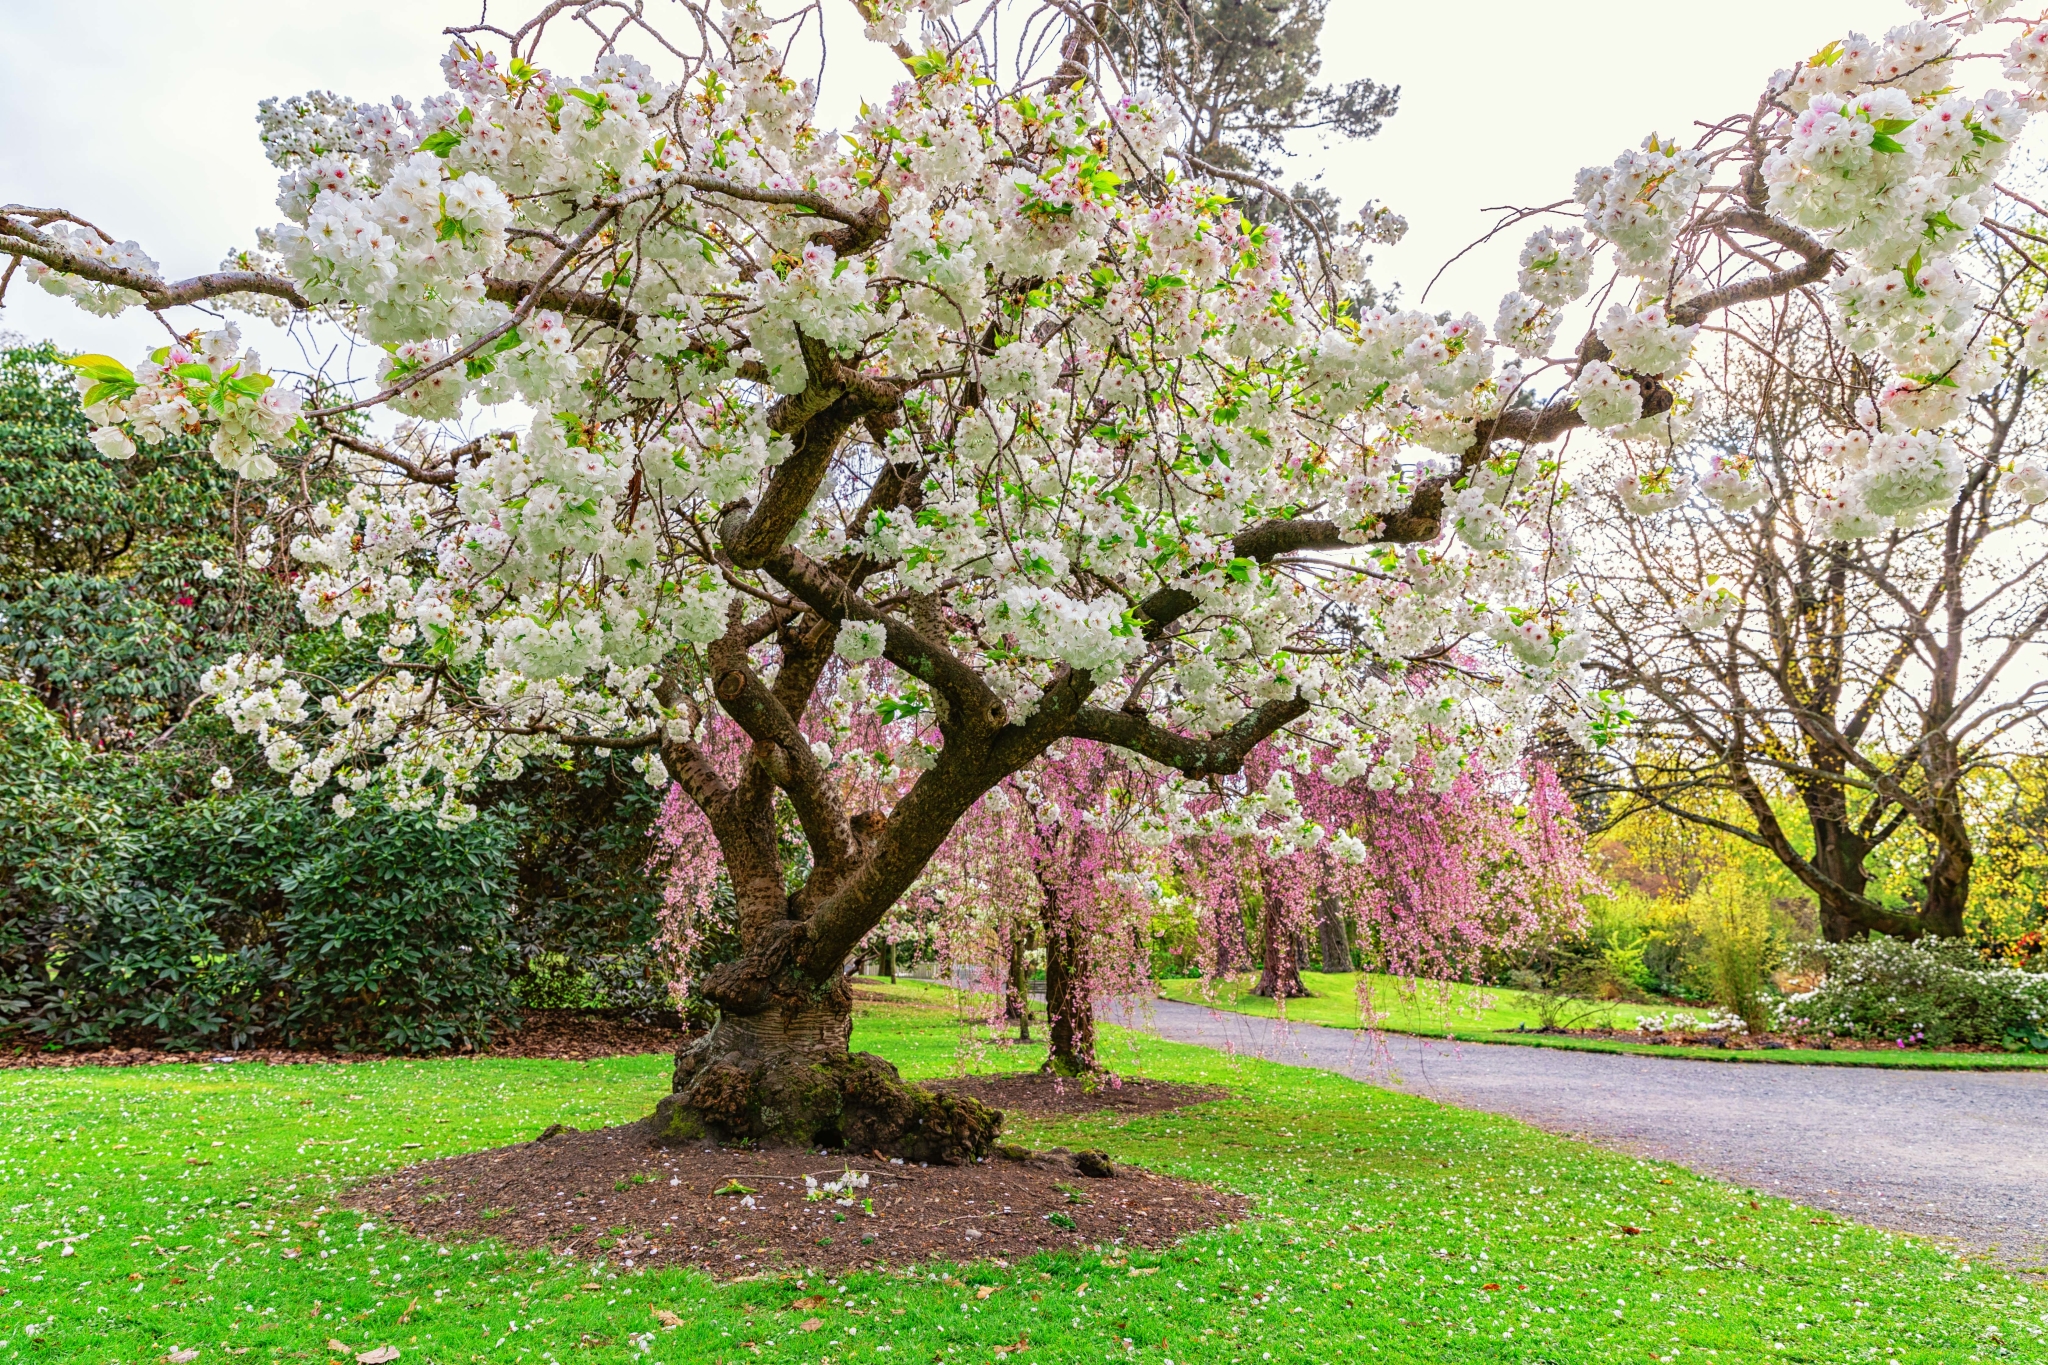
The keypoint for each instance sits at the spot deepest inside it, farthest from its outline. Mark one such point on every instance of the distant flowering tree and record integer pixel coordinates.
(1434, 884)
(1058, 854)
(988, 387)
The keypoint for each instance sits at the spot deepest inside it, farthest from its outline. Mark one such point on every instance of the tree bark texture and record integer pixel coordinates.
(1017, 987)
(1069, 1003)
(1283, 945)
(784, 1074)
(1330, 936)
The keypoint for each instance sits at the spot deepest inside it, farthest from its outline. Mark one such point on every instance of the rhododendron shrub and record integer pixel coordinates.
(989, 390)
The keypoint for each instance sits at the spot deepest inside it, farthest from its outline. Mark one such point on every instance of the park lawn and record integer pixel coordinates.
(1434, 1008)
(1489, 1014)
(1387, 1228)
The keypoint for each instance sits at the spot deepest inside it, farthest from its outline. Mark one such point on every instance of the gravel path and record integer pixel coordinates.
(1946, 1154)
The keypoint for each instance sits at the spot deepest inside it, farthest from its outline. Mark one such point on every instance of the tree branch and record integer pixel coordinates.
(1217, 755)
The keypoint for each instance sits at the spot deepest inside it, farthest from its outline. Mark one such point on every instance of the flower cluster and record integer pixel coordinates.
(181, 389)
(1889, 480)
(106, 300)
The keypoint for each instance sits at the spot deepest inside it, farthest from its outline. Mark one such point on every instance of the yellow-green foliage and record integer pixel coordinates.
(1740, 946)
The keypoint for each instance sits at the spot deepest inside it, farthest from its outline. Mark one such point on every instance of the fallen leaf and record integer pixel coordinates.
(987, 1291)
(1144, 1270)
(666, 1318)
(734, 1187)
(377, 1357)
(808, 1302)
(180, 1357)
(1630, 1230)
(334, 1345)
(590, 1284)
(1489, 1286)
(811, 1324)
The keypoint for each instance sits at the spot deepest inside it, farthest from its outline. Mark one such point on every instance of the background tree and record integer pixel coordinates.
(1241, 75)
(1427, 880)
(1868, 679)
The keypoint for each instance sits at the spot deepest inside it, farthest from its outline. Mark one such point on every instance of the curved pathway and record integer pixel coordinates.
(1960, 1155)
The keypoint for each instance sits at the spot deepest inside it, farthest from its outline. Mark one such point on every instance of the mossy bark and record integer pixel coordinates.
(785, 1075)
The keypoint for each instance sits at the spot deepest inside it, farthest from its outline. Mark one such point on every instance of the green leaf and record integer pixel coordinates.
(1882, 143)
(596, 101)
(898, 708)
(927, 64)
(734, 1187)
(103, 366)
(1239, 569)
(192, 369)
(441, 142)
(1891, 125)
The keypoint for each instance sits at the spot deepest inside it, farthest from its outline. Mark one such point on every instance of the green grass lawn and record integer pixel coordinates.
(1388, 1228)
(1490, 1014)
(1404, 1006)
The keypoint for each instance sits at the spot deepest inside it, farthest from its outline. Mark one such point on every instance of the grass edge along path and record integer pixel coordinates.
(196, 1204)
(1461, 1014)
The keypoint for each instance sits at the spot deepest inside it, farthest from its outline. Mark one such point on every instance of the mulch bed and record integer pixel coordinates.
(615, 1194)
(1037, 1093)
(1751, 1042)
(558, 1035)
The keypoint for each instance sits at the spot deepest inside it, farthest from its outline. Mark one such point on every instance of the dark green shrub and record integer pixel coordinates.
(153, 964)
(396, 933)
(585, 921)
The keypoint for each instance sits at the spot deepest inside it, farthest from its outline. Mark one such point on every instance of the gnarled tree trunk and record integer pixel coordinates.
(785, 1074)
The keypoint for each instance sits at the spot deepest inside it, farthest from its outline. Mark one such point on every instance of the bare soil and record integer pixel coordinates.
(558, 1035)
(615, 1194)
(1038, 1093)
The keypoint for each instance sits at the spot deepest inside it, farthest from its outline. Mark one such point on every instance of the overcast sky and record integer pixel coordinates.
(140, 116)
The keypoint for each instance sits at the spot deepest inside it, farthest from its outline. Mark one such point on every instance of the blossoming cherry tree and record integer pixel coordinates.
(987, 387)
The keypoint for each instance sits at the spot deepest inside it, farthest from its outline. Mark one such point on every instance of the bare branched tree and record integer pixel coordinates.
(1841, 690)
